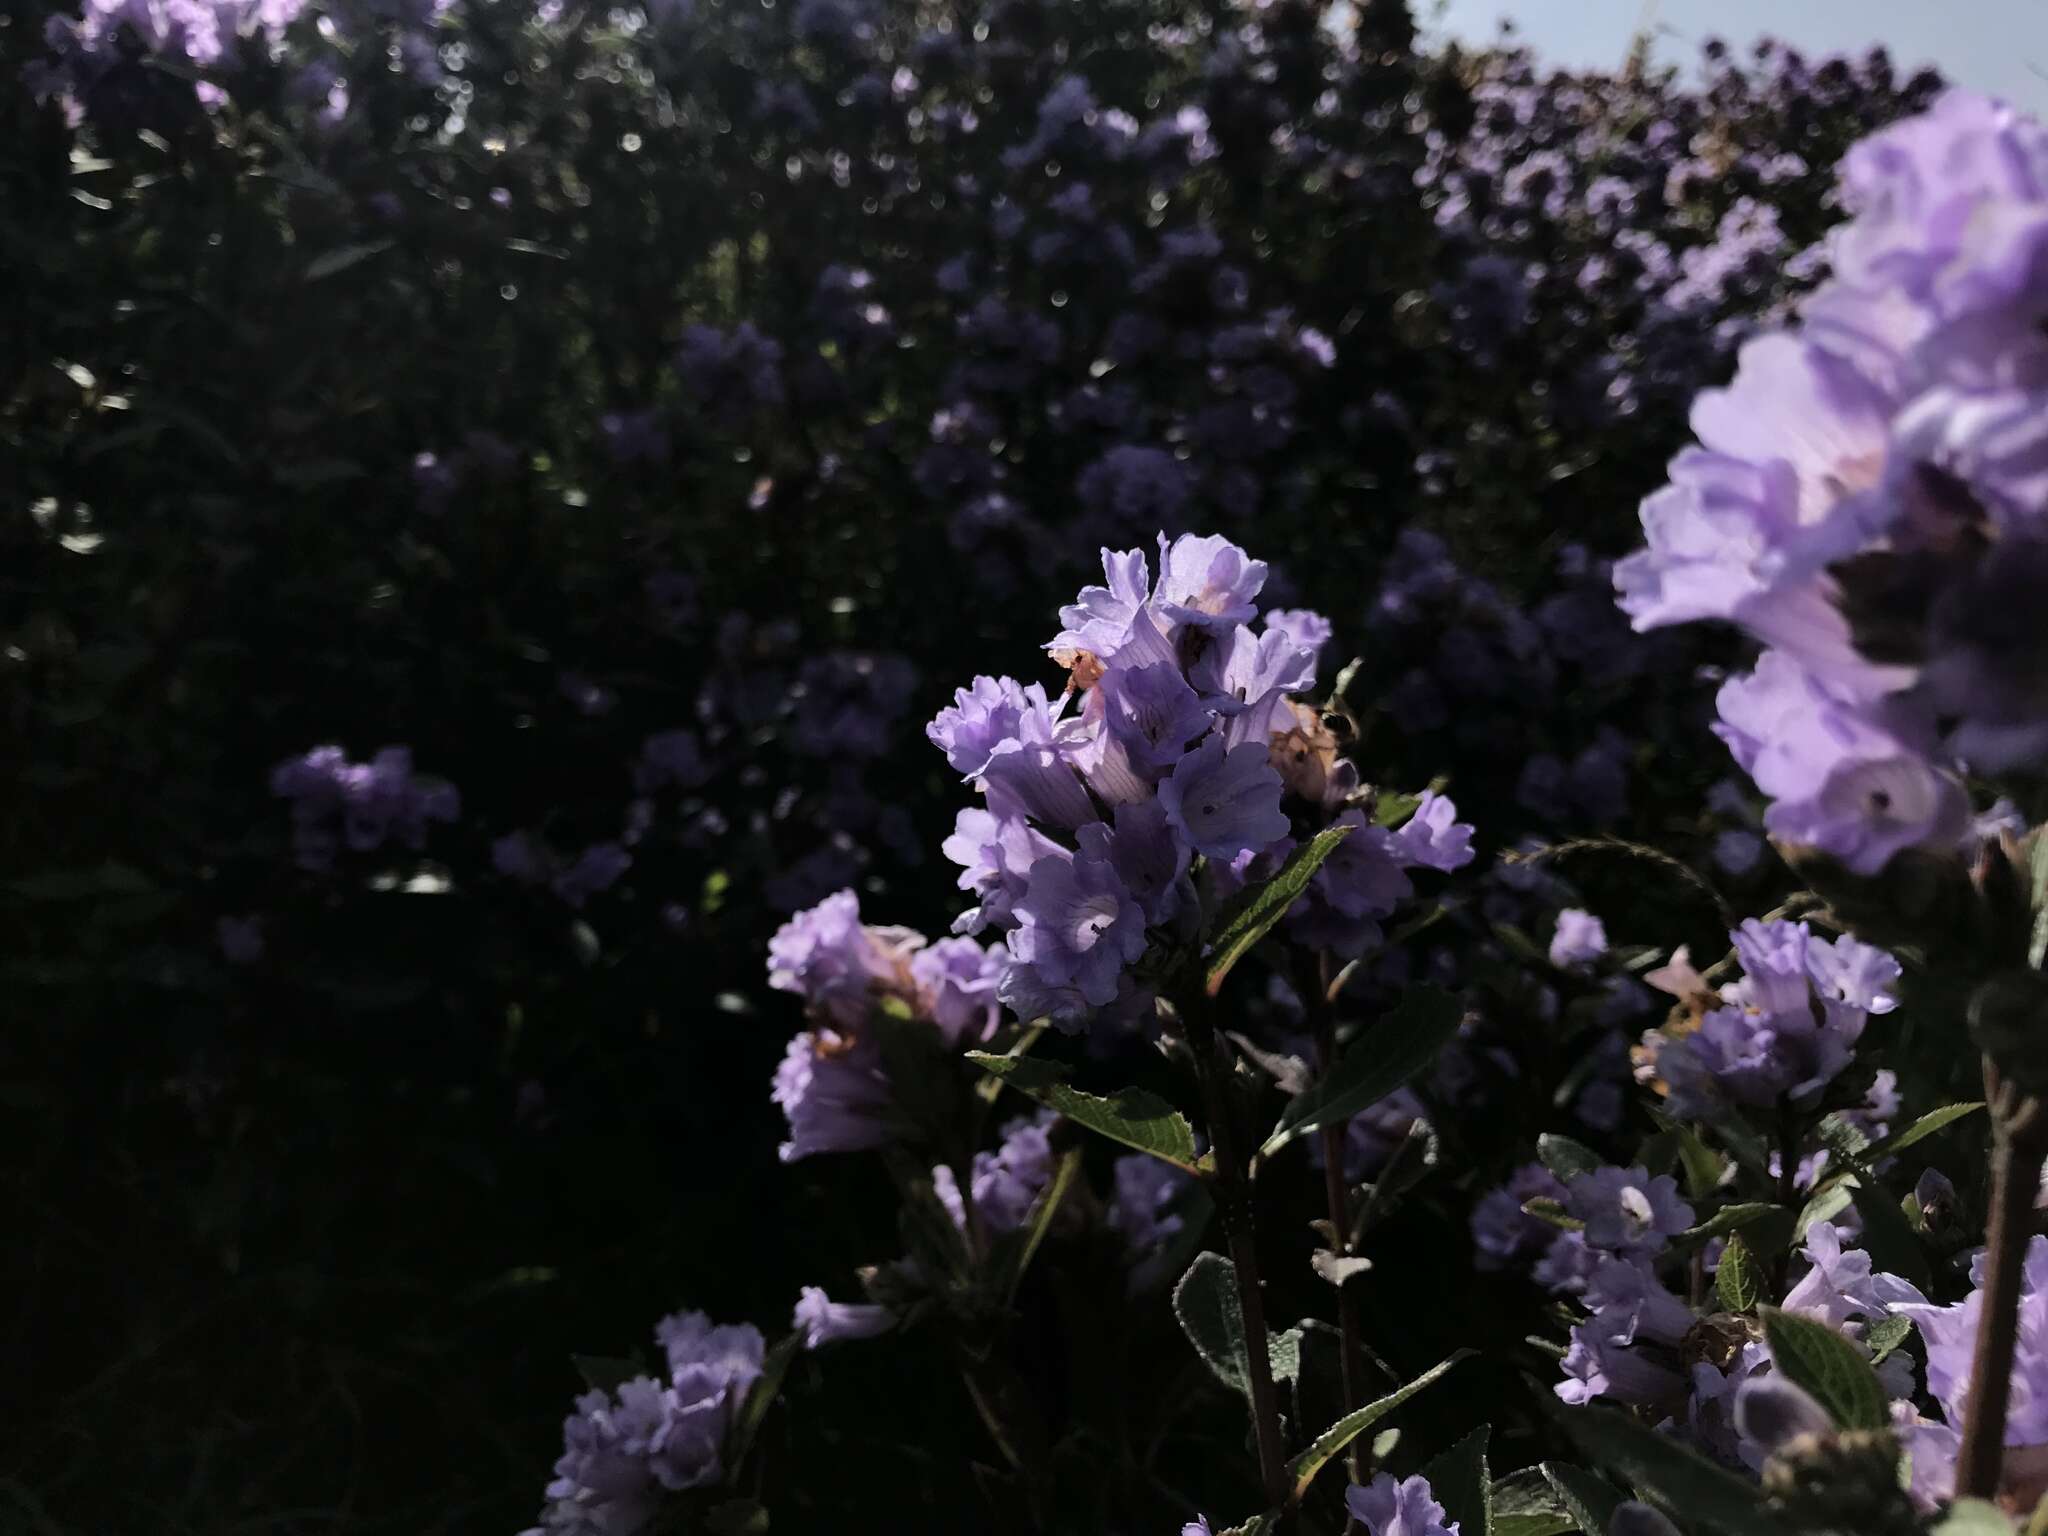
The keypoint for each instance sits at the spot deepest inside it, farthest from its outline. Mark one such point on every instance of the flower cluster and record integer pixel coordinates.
(1781, 1033)
(832, 1085)
(338, 804)
(1865, 499)
(653, 1434)
(1179, 737)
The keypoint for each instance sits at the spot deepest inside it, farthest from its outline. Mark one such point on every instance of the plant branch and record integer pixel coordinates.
(1322, 1015)
(1234, 1205)
(2019, 1141)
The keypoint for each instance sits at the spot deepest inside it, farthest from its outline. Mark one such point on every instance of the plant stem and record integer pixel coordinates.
(1337, 1196)
(1233, 1201)
(2017, 1149)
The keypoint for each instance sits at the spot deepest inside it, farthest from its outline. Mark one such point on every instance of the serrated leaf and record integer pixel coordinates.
(1206, 1304)
(1934, 1120)
(1458, 1479)
(341, 258)
(1885, 1336)
(1812, 1355)
(1524, 1504)
(1713, 1498)
(1251, 916)
(1567, 1158)
(1390, 809)
(1702, 1164)
(1829, 1199)
(1889, 1239)
(1737, 1281)
(1331, 1442)
(1384, 1058)
(1588, 1497)
(1132, 1116)
(746, 1424)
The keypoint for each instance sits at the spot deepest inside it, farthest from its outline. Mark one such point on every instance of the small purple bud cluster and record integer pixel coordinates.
(338, 804)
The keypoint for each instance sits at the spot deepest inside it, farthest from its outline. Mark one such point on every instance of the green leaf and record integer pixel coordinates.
(1738, 1281)
(1567, 1158)
(1459, 1481)
(1814, 1356)
(1130, 1115)
(1524, 1504)
(760, 1398)
(1392, 1051)
(1934, 1120)
(1730, 1218)
(342, 258)
(1703, 1165)
(1589, 1497)
(1206, 1305)
(1712, 1498)
(1391, 809)
(1829, 1199)
(1885, 1336)
(1889, 1239)
(83, 883)
(1251, 916)
(1331, 1442)
(1018, 1254)
(1974, 1517)
(1553, 1212)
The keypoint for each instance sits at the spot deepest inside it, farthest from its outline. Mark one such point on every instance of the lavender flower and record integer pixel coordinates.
(1580, 939)
(823, 1321)
(1626, 1211)
(1386, 1507)
(1503, 1232)
(1787, 1028)
(361, 806)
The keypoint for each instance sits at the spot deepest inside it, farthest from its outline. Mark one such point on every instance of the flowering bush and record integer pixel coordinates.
(647, 417)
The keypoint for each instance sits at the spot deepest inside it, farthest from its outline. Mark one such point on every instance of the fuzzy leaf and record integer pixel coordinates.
(1567, 1158)
(1730, 1218)
(1391, 1052)
(1206, 1304)
(1814, 1356)
(1252, 915)
(1934, 1120)
(1737, 1281)
(1130, 1115)
(1524, 1504)
(1885, 1336)
(1713, 1498)
(1588, 1497)
(1336, 1268)
(1331, 1442)
(2037, 863)
(1459, 1480)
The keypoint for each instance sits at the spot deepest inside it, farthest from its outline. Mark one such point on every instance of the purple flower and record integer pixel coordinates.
(361, 805)
(597, 869)
(1626, 1211)
(1840, 778)
(1224, 801)
(1145, 1211)
(1580, 939)
(1433, 837)
(1950, 1333)
(1502, 1232)
(1077, 925)
(1208, 582)
(823, 1321)
(1405, 1508)
(981, 717)
(1007, 1182)
(836, 964)
(1153, 714)
(835, 1095)
(1788, 1027)
(956, 982)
